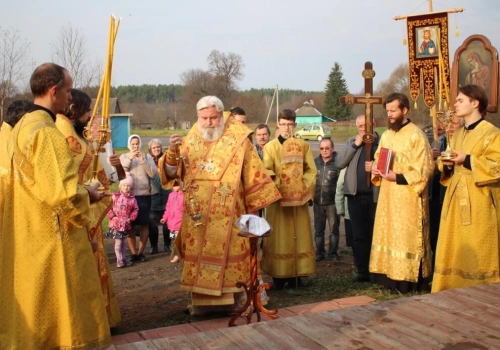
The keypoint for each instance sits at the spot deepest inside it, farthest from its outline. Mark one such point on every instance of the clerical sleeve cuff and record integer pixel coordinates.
(171, 170)
(400, 179)
(170, 158)
(467, 162)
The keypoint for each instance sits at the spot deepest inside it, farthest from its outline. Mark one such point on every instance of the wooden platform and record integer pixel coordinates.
(456, 319)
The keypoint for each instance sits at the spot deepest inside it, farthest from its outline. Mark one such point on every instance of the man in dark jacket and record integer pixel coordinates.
(361, 199)
(324, 201)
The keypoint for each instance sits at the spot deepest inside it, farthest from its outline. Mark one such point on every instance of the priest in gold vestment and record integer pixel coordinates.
(468, 249)
(224, 178)
(288, 253)
(71, 124)
(400, 257)
(51, 292)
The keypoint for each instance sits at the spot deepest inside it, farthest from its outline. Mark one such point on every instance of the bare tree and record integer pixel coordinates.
(13, 64)
(227, 69)
(70, 52)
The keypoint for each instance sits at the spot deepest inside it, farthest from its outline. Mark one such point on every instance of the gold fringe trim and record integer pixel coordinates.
(479, 276)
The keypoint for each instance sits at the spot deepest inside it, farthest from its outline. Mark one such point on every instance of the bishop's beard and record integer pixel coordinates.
(211, 133)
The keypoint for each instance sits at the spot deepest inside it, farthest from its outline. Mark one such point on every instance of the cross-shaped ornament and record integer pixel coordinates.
(194, 142)
(224, 191)
(227, 141)
(368, 100)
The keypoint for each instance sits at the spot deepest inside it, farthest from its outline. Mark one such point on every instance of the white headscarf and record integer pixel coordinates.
(130, 139)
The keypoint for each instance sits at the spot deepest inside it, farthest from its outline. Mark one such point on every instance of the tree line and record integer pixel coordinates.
(167, 105)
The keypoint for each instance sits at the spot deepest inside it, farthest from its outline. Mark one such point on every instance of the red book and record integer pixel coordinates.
(384, 160)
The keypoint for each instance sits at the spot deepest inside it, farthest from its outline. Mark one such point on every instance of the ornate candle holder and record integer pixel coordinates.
(446, 118)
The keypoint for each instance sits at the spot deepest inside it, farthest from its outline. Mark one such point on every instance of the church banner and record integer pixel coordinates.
(427, 47)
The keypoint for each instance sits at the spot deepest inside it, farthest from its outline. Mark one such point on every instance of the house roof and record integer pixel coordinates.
(307, 110)
(114, 106)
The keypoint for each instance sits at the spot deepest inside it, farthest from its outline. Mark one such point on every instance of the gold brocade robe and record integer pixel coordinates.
(468, 245)
(401, 232)
(51, 292)
(83, 160)
(289, 250)
(230, 180)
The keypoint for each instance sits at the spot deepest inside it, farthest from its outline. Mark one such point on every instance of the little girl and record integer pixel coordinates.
(173, 214)
(121, 214)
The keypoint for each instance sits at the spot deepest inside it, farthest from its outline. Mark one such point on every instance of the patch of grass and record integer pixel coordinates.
(158, 132)
(327, 287)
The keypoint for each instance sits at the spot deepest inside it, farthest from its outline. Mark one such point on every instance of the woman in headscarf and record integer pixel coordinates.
(158, 202)
(142, 168)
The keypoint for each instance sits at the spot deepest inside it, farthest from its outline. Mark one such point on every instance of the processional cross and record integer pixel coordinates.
(368, 100)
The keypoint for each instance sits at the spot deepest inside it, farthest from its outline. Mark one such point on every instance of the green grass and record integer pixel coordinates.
(340, 133)
(158, 132)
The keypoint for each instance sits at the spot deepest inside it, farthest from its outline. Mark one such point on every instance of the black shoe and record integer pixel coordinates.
(361, 278)
(294, 282)
(153, 250)
(133, 258)
(167, 248)
(141, 257)
(279, 283)
(320, 258)
(334, 257)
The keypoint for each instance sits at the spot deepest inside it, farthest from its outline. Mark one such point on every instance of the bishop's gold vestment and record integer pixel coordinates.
(227, 179)
(83, 159)
(400, 242)
(51, 296)
(468, 249)
(289, 250)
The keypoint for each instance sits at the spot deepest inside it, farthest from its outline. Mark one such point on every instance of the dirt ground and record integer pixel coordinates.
(149, 296)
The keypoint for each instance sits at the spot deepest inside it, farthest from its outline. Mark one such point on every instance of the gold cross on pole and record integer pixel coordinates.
(195, 143)
(224, 191)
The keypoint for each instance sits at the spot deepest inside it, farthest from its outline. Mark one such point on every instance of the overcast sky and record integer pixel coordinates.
(289, 43)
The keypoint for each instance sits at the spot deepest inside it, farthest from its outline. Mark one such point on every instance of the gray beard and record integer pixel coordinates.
(211, 134)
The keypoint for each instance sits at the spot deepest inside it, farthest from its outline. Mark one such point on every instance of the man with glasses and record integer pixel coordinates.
(288, 252)
(324, 201)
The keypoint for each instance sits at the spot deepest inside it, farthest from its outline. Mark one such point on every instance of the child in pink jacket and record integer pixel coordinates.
(121, 214)
(173, 214)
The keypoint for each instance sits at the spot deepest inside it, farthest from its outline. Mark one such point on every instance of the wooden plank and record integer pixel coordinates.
(142, 345)
(360, 335)
(322, 334)
(408, 327)
(459, 330)
(212, 340)
(284, 336)
(465, 305)
(381, 321)
(482, 293)
(248, 338)
(180, 342)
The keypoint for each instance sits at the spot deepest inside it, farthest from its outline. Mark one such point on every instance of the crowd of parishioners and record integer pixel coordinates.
(406, 230)
(395, 237)
(393, 245)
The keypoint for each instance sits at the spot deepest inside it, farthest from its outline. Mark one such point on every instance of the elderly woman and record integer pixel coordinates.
(142, 168)
(158, 202)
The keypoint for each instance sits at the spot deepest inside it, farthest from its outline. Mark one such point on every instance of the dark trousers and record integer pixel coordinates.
(155, 217)
(362, 213)
(322, 214)
(435, 207)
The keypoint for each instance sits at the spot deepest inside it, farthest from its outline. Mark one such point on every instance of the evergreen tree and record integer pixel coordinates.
(336, 87)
